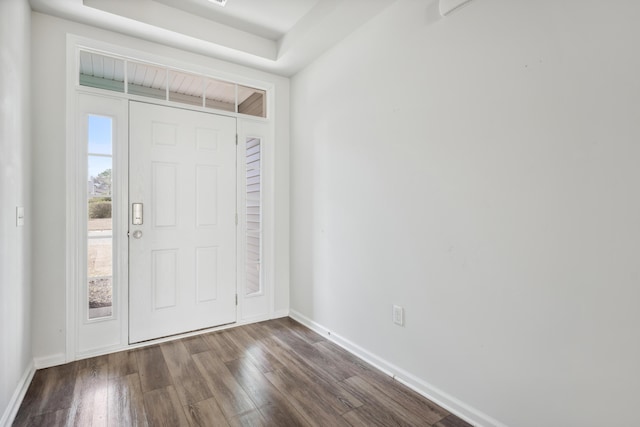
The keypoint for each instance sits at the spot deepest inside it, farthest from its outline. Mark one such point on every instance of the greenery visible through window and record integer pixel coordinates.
(99, 216)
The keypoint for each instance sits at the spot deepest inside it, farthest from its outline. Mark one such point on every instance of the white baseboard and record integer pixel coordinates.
(445, 400)
(49, 361)
(18, 395)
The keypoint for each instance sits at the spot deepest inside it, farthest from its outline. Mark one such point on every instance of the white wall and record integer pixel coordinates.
(480, 170)
(15, 262)
(49, 59)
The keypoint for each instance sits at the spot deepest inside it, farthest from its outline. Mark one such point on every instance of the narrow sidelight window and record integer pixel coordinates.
(254, 216)
(99, 221)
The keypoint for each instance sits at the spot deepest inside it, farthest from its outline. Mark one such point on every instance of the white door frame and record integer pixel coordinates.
(75, 259)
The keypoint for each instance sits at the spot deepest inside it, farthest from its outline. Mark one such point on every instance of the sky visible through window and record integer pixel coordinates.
(100, 138)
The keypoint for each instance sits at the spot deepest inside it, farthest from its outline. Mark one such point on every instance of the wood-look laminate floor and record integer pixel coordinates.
(275, 373)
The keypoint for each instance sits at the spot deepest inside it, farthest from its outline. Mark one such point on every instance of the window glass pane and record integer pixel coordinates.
(99, 184)
(100, 258)
(252, 101)
(220, 95)
(185, 88)
(99, 216)
(101, 71)
(100, 134)
(100, 297)
(253, 216)
(105, 72)
(146, 80)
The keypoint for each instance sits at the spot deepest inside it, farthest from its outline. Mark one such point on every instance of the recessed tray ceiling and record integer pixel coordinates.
(279, 36)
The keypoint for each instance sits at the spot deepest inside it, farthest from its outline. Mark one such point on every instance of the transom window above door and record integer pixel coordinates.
(138, 78)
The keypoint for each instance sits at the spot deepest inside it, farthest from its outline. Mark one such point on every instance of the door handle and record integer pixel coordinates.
(137, 234)
(136, 213)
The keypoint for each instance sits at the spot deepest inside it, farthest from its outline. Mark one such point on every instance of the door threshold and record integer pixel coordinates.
(181, 335)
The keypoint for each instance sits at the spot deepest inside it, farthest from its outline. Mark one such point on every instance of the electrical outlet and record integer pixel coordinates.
(398, 315)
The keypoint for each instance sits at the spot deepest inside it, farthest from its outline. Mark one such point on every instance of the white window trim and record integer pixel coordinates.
(257, 307)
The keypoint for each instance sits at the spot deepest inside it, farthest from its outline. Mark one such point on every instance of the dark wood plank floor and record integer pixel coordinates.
(275, 373)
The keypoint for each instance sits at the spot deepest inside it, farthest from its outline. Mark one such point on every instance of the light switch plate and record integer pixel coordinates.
(398, 315)
(19, 216)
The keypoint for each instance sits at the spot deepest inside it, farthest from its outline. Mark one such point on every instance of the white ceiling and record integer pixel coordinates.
(280, 36)
(270, 19)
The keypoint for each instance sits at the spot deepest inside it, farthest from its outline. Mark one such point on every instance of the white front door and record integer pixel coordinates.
(182, 258)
